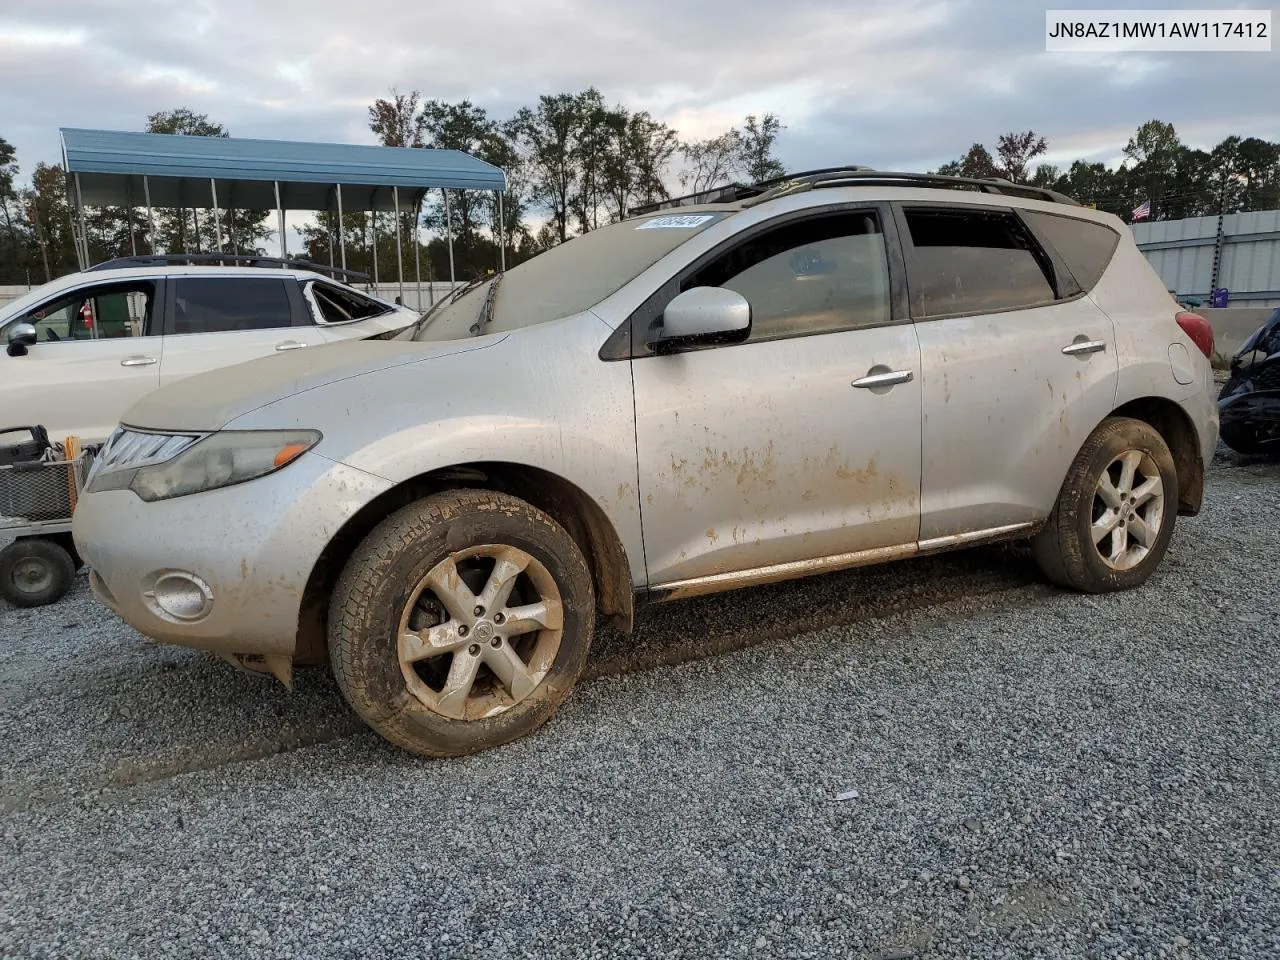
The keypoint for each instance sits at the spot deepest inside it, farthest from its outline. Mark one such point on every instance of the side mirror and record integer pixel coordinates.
(21, 336)
(703, 315)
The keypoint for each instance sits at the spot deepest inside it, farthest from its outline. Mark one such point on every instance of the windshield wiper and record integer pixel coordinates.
(444, 302)
(486, 309)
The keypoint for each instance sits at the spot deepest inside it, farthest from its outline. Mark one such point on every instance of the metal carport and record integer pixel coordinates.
(125, 169)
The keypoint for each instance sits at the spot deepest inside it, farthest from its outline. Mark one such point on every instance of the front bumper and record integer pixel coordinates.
(253, 545)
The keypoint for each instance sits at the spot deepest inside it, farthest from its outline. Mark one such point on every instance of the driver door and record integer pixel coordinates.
(800, 447)
(97, 352)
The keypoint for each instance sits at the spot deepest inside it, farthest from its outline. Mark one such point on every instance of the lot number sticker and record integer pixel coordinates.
(684, 222)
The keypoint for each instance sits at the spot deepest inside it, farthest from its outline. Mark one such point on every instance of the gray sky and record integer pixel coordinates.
(896, 84)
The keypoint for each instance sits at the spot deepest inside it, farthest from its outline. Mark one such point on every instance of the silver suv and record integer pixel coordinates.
(843, 368)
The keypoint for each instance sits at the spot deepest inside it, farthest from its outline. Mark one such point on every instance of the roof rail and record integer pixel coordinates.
(728, 193)
(230, 260)
(852, 175)
(867, 176)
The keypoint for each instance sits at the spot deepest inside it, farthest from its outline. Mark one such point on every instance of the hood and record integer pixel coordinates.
(208, 401)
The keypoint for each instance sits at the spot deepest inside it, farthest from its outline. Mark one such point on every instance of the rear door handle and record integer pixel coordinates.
(886, 379)
(137, 361)
(1084, 346)
(289, 345)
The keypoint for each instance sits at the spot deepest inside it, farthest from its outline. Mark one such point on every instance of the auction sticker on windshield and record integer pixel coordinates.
(682, 222)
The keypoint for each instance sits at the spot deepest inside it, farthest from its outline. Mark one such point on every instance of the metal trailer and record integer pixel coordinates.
(38, 560)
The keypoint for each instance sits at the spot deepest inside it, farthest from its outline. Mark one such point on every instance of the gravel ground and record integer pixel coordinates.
(1038, 774)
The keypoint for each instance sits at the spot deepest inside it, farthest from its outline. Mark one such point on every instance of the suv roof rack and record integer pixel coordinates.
(230, 260)
(852, 175)
(869, 176)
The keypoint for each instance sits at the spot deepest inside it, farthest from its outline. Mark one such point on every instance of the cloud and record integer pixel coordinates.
(897, 84)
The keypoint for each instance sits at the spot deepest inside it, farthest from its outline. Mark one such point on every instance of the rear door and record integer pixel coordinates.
(216, 321)
(1019, 366)
(97, 352)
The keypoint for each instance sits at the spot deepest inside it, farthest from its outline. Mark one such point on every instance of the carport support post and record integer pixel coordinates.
(373, 228)
(328, 208)
(151, 220)
(82, 251)
(395, 199)
(133, 240)
(284, 245)
(217, 218)
(417, 252)
(448, 230)
(502, 239)
(342, 240)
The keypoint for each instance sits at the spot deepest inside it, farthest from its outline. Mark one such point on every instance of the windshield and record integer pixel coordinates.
(571, 277)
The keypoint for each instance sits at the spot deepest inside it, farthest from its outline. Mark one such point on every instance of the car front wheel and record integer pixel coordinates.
(461, 622)
(1115, 513)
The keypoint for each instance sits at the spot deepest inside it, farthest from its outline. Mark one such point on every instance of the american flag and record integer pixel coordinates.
(1142, 211)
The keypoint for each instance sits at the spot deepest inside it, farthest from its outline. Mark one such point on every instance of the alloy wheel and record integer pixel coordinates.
(1128, 510)
(480, 631)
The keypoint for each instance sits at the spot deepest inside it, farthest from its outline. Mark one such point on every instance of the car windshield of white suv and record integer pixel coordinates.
(567, 279)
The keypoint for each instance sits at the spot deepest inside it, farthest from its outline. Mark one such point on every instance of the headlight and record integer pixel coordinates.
(218, 460)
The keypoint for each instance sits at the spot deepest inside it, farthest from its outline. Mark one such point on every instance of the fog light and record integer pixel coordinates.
(181, 596)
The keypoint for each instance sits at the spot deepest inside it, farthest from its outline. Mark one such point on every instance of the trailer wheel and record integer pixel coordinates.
(35, 572)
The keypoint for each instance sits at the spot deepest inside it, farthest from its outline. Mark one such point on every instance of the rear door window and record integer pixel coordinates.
(1085, 247)
(227, 304)
(973, 261)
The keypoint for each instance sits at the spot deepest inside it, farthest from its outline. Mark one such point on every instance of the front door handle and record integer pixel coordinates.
(1081, 347)
(137, 361)
(289, 345)
(886, 379)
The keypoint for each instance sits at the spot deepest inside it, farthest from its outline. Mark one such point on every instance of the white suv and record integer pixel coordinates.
(847, 368)
(83, 348)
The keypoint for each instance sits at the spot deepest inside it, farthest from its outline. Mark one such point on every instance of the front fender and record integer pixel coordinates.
(541, 397)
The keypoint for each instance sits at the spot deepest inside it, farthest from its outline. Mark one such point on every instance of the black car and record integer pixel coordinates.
(1249, 404)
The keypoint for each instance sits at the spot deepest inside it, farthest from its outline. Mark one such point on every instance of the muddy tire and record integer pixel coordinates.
(35, 572)
(1115, 513)
(461, 622)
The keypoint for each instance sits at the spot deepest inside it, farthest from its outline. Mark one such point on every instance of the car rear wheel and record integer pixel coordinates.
(1115, 513)
(461, 622)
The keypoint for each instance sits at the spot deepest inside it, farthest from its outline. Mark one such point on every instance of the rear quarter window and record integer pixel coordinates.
(342, 306)
(1084, 246)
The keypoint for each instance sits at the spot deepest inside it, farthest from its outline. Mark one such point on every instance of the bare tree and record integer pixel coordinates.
(711, 162)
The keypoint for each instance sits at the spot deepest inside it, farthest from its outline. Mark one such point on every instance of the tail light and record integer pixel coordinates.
(1197, 328)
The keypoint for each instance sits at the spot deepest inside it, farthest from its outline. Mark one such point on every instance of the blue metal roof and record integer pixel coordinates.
(111, 165)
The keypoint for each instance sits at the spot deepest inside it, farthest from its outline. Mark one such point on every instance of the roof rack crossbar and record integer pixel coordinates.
(230, 260)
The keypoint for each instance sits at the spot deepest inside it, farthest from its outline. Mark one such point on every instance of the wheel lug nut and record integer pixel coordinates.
(496, 642)
(479, 611)
(462, 630)
(474, 649)
(498, 618)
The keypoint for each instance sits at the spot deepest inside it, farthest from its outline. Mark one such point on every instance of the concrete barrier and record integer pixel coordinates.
(1233, 325)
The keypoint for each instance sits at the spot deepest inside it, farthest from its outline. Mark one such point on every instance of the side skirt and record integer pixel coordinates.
(775, 573)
